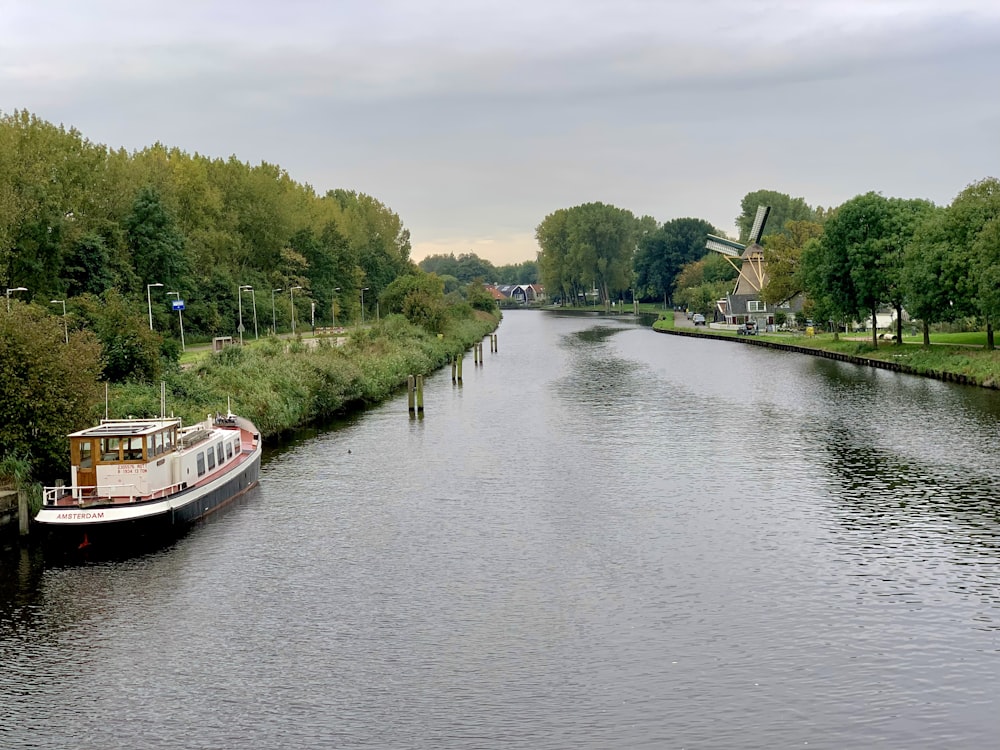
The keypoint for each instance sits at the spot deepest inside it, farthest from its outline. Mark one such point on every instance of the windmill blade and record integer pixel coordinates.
(758, 224)
(724, 246)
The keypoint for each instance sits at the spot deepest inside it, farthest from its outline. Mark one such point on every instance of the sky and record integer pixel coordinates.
(475, 119)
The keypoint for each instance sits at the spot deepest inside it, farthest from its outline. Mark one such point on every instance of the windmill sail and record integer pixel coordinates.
(758, 224)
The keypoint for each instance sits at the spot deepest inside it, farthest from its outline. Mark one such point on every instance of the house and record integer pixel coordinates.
(519, 294)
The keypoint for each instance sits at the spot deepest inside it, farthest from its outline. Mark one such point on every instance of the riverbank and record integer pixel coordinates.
(956, 364)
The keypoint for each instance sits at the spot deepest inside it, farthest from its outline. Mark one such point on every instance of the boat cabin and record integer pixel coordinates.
(121, 453)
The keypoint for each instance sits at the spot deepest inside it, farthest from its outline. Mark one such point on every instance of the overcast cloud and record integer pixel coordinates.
(475, 119)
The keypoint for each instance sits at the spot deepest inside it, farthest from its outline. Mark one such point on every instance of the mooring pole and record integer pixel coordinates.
(460, 360)
(409, 392)
(420, 394)
(22, 512)
(453, 368)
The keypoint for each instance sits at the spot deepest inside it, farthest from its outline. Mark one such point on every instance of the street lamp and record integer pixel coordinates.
(15, 289)
(274, 320)
(149, 302)
(65, 325)
(253, 296)
(239, 294)
(291, 296)
(333, 306)
(363, 305)
(180, 316)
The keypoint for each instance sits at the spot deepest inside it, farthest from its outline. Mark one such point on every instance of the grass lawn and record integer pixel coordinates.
(959, 353)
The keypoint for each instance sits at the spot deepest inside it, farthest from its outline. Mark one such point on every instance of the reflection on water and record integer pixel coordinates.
(605, 537)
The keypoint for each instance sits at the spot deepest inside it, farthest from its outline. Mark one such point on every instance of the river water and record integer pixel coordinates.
(604, 538)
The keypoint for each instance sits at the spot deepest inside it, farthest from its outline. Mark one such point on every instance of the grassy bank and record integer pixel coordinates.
(284, 384)
(949, 354)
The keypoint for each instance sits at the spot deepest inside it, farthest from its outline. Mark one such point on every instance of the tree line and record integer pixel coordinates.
(79, 220)
(469, 267)
(938, 263)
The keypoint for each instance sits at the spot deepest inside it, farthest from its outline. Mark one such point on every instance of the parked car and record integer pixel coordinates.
(747, 329)
(698, 319)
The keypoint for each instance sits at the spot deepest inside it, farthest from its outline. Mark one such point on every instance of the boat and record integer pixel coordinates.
(135, 477)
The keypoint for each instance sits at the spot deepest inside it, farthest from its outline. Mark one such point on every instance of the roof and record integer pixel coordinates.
(126, 427)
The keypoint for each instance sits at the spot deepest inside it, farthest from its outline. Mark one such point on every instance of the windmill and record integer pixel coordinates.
(748, 260)
(750, 256)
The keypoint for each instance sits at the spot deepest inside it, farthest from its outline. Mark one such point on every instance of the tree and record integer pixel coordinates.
(933, 273)
(784, 260)
(48, 388)
(129, 350)
(663, 253)
(587, 246)
(155, 242)
(970, 227)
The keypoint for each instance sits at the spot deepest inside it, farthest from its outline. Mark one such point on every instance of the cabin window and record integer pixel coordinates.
(211, 458)
(109, 449)
(229, 450)
(168, 440)
(220, 453)
(201, 464)
(86, 454)
(158, 444)
(133, 448)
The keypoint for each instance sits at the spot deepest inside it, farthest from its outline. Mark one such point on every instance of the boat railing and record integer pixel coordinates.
(101, 495)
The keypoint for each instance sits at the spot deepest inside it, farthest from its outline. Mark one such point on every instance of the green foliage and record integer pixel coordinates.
(663, 253)
(77, 218)
(477, 296)
(425, 310)
(47, 387)
(155, 242)
(130, 351)
(282, 385)
(785, 275)
(588, 246)
(467, 267)
(394, 295)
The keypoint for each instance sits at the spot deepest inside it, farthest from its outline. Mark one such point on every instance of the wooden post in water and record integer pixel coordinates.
(409, 393)
(475, 355)
(420, 395)
(453, 368)
(22, 512)
(460, 360)
(496, 343)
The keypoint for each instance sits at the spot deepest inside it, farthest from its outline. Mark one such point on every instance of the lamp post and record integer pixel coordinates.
(149, 302)
(365, 289)
(333, 305)
(291, 296)
(239, 295)
(180, 316)
(15, 289)
(274, 320)
(253, 297)
(65, 324)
